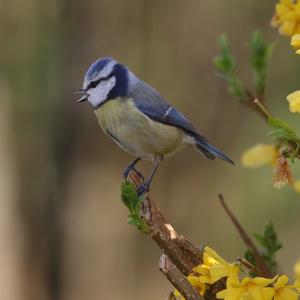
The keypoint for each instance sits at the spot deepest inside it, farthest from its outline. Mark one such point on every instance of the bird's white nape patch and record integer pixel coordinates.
(99, 94)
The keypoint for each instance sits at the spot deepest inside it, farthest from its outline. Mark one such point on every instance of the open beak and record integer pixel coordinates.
(84, 97)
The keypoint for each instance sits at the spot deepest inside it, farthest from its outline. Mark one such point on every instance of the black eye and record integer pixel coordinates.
(93, 84)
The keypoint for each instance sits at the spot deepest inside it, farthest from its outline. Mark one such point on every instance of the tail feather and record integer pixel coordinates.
(209, 151)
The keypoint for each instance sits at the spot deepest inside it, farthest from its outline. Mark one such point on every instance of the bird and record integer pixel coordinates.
(138, 119)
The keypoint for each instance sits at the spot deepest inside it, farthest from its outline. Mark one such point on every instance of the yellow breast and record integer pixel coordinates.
(135, 132)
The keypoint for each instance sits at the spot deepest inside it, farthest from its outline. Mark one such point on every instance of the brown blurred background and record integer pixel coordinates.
(64, 232)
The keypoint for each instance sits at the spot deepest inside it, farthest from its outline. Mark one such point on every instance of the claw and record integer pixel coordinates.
(126, 173)
(142, 189)
(131, 167)
(139, 174)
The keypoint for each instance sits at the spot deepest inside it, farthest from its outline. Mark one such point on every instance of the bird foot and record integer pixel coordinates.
(127, 172)
(144, 188)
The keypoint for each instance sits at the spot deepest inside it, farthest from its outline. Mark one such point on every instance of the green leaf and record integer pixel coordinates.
(225, 64)
(236, 88)
(250, 257)
(131, 220)
(282, 131)
(130, 198)
(269, 245)
(225, 61)
(277, 123)
(260, 57)
(259, 238)
(129, 195)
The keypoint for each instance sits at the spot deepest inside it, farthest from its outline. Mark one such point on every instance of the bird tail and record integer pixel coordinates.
(208, 150)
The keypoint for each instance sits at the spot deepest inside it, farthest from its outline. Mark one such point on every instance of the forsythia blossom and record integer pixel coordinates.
(294, 101)
(214, 268)
(259, 155)
(281, 291)
(287, 17)
(297, 273)
(194, 281)
(295, 42)
(247, 288)
(297, 189)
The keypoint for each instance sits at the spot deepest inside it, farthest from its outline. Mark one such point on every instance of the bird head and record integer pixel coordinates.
(105, 79)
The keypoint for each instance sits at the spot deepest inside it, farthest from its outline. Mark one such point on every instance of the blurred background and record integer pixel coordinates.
(63, 228)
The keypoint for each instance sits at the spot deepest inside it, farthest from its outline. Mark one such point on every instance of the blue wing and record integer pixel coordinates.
(153, 105)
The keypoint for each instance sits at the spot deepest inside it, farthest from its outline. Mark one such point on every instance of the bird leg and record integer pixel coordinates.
(146, 186)
(131, 167)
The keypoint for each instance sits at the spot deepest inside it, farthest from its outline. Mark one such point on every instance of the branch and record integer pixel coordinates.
(180, 250)
(257, 104)
(263, 108)
(169, 269)
(179, 256)
(261, 266)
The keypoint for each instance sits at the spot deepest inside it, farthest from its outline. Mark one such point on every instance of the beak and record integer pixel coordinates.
(84, 97)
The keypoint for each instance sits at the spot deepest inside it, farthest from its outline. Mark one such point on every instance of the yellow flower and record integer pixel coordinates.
(259, 155)
(204, 268)
(294, 101)
(297, 274)
(297, 268)
(194, 281)
(214, 267)
(248, 288)
(287, 17)
(281, 291)
(295, 42)
(297, 189)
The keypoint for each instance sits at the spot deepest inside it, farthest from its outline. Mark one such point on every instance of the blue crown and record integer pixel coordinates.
(97, 66)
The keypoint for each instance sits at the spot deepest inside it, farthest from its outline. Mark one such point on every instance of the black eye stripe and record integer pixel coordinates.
(94, 83)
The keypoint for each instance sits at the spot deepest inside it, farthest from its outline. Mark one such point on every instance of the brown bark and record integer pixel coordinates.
(179, 255)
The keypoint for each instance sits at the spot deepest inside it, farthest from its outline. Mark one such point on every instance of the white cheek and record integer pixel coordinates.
(100, 92)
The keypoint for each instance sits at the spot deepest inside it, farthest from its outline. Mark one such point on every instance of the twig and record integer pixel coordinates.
(174, 275)
(246, 264)
(261, 266)
(257, 104)
(171, 296)
(179, 256)
(180, 250)
(262, 107)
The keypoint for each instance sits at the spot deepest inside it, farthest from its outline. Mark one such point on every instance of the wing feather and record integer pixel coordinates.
(153, 105)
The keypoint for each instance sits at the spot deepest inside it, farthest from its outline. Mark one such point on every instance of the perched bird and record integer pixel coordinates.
(138, 118)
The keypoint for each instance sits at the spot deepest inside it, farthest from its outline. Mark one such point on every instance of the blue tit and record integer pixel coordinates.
(138, 118)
